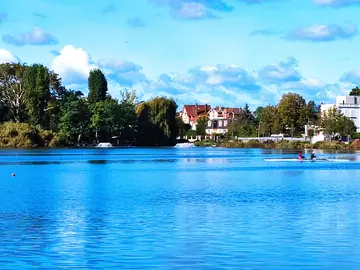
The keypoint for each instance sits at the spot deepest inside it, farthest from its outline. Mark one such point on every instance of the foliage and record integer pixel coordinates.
(201, 124)
(98, 86)
(12, 99)
(23, 135)
(293, 112)
(74, 120)
(355, 91)
(270, 121)
(157, 123)
(37, 93)
(334, 122)
(182, 128)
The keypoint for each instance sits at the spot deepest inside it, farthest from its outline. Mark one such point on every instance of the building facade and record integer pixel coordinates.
(349, 106)
(220, 119)
(191, 113)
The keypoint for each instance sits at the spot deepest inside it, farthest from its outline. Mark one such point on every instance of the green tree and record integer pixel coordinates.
(334, 122)
(270, 121)
(97, 86)
(74, 120)
(157, 122)
(355, 91)
(257, 113)
(292, 109)
(37, 93)
(201, 124)
(182, 128)
(12, 100)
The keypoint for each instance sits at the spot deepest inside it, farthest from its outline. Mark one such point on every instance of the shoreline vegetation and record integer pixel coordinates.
(283, 144)
(37, 110)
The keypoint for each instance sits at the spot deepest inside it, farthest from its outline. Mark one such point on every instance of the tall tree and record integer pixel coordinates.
(291, 107)
(12, 99)
(74, 120)
(355, 91)
(37, 93)
(270, 121)
(97, 86)
(157, 122)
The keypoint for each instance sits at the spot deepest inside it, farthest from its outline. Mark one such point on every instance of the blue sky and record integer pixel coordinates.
(220, 52)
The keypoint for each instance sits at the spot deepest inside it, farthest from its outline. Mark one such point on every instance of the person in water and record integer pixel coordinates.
(313, 157)
(300, 156)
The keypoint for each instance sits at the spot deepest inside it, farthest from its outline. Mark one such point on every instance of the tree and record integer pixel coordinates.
(74, 120)
(257, 113)
(334, 122)
(182, 128)
(291, 109)
(355, 91)
(97, 86)
(12, 99)
(157, 122)
(104, 119)
(270, 121)
(37, 93)
(246, 114)
(201, 124)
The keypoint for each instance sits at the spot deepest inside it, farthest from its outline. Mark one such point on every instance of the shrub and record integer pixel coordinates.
(21, 135)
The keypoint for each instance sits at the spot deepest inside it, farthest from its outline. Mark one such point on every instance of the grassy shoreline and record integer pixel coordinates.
(284, 144)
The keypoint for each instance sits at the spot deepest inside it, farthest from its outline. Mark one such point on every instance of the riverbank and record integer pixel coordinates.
(283, 144)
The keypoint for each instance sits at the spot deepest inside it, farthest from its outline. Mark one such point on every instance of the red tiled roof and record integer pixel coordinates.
(194, 110)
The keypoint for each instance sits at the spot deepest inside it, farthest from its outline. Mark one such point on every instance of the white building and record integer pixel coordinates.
(220, 118)
(349, 106)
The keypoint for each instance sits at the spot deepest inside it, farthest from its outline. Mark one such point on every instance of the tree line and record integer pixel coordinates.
(289, 117)
(34, 95)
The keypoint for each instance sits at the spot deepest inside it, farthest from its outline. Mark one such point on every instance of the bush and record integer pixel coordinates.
(21, 135)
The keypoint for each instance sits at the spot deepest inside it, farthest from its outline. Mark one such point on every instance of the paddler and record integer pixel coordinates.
(313, 157)
(300, 156)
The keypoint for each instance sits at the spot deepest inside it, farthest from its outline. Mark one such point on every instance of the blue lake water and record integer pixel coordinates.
(169, 208)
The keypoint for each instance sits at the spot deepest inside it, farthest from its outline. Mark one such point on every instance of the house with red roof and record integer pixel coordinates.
(220, 118)
(191, 113)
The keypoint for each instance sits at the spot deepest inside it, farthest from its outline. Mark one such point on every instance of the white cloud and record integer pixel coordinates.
(73, 65)
(7, 57)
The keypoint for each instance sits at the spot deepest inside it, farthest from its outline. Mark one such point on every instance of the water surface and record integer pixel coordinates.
(207, 208)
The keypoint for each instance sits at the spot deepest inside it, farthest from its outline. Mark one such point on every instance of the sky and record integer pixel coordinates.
(218, 52)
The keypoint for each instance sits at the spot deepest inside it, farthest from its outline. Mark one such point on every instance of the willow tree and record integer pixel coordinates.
(98, 86)
(157, 123)
(37, 93)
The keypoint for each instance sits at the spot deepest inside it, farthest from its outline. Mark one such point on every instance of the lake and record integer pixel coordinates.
(167, 208)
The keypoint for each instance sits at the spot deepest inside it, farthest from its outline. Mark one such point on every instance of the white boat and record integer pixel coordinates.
(185, 145)
(104, 145)
(305, 160)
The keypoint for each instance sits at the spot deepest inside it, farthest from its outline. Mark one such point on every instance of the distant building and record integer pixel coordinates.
(220, 118)
(191, 113)
(349, 106)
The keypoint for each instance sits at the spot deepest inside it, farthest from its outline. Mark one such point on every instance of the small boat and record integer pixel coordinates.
(305, 160)
(104, 145)
(184, 145)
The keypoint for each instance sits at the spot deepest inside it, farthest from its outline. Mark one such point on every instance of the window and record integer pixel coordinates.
(355, 100)
(225, 123)
(209, 123)
(220, 123)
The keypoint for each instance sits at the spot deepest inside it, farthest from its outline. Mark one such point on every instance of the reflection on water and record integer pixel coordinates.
(183, 209)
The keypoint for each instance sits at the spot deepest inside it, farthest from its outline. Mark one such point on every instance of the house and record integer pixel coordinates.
(316, 135)
(220, 118)
(191, 113)
(349, 106)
